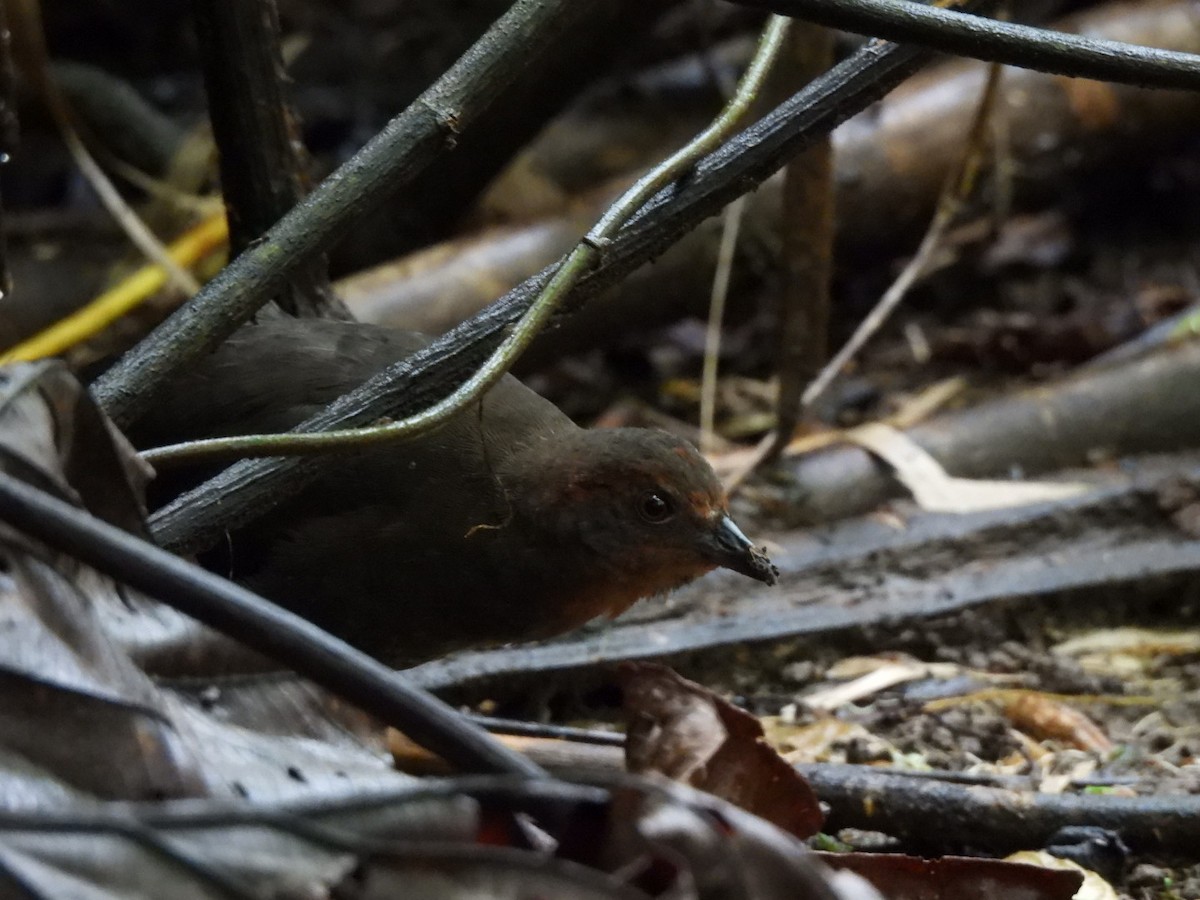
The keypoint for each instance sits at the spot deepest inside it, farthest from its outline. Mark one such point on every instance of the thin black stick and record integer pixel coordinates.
(262, 169)
(993, 41)
(261, 625)
(518, 728)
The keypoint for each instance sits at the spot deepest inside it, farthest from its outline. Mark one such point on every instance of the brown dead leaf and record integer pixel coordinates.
(683, 730)
(81, 718)
(1045, 717)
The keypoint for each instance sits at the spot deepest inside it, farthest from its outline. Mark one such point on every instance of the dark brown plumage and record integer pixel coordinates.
(509, 523)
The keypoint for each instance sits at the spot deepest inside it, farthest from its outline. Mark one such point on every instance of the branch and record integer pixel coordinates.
(261, 155)
(936, 815)
(521, 335)
(393, 158)
(1003, 42)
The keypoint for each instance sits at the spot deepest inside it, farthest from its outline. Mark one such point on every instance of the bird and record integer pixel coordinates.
(508, 524)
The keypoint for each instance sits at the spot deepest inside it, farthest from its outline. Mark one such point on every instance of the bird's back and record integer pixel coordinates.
(269, 377)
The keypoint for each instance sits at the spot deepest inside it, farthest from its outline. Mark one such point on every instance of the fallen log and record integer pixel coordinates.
(1145, 406)
(922, 812)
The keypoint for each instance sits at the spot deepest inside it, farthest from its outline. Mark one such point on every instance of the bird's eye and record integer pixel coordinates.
(656, 507)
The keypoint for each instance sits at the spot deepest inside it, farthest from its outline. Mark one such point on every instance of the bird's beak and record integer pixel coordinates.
(727, 546)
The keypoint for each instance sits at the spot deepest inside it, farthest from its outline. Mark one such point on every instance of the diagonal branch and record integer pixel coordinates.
(1002, 42)
(522, 333)
(395, 157)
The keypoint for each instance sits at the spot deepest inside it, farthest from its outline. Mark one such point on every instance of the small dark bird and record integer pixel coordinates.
(509, 523)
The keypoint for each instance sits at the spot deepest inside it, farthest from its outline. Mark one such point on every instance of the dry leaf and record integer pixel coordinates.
(1048, 718)
(682, 730)
(1093, 888)
(937, 491)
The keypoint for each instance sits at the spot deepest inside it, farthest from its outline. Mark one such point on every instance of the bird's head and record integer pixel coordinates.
(643, 506)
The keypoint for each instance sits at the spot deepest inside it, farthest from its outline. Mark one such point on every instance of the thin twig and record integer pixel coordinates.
(163, 191)
(1000, 42)
(32, 37)
(524, 331)
(807, 264)
(958, 185)
(730, 226)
